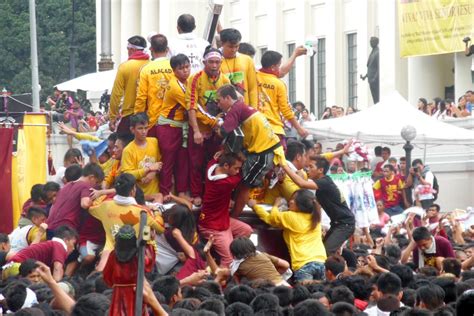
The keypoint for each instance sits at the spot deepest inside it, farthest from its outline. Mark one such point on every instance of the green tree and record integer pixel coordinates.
(54, 25)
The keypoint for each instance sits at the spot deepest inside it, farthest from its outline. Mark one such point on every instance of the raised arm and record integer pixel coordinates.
(286, 67)
(302, 183)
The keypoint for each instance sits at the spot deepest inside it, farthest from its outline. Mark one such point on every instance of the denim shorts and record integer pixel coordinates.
(310, 271)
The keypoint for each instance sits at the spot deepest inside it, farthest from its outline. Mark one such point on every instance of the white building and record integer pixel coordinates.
(342, 29)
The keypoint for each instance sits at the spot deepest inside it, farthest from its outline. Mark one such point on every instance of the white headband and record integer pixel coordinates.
(135, 46)
(212, 54)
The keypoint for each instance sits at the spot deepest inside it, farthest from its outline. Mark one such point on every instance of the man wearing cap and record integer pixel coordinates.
(202, 107)
(125, 85)
(154, 78)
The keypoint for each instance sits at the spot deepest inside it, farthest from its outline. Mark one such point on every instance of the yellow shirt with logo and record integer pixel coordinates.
(273, 101)
(175, 98)
(114, 215)
(136, 158)
(200, 91)
(240, 70)
(125, 85)
(258, 134)
(154, 78)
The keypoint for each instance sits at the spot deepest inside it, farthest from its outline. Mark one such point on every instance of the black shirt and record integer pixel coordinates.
(333, 202)
(3, 259)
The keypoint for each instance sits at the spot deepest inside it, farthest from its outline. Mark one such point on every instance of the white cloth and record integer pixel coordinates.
(124, 200)
(215, 177)
(58, 178)
(190, 45)
(30, 300)
(166, 256)
(374, 162)
(18, 238)
(421, 253)
(59, 240)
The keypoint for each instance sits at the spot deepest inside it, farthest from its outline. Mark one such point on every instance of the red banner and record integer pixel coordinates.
(6, 147)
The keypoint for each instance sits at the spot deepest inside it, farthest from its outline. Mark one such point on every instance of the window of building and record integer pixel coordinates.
(352, 69)
(291, 76)
(321, 71)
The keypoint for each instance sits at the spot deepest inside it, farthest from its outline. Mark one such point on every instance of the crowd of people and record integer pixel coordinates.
(202, 137)
(64, 107)
(445, 109)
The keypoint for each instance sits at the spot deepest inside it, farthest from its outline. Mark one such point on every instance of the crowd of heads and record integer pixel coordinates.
(448, 108)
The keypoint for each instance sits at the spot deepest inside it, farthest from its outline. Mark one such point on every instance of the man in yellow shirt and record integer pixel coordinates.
(260, 143)
(273, 96)
(141, 158)
(285, 187)
(154, 78)
(173, 129)
(239, 68)
(122, 210)
(125, 85)
(202, 108)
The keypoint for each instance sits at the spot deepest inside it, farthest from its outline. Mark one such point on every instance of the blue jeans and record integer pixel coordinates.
(394, 210)
(310, 271)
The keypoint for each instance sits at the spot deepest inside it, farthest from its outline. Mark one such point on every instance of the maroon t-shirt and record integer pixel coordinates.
(47, 252)
(91, 230)
(215, 203)
(443, 249)
(238, 113)
(67, 210)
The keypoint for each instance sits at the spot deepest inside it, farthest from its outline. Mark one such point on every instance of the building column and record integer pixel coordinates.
(393, 69)
(334, 46)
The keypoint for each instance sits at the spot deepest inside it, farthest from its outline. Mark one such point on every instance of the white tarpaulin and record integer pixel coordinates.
(383, 122)
(96, 81)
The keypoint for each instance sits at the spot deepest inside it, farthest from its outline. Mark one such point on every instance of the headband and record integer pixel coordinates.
(212, 54)
(135, 46)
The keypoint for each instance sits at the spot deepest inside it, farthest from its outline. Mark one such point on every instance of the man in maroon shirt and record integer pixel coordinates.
(428, 250)
(222, 178)
(53, 252)
(73, 198)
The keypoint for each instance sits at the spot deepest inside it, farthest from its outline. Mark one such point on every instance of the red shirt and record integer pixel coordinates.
(47, 252)
(390, 190)
(92, 121)
(215, 204)
(91, 230)
(67, 210)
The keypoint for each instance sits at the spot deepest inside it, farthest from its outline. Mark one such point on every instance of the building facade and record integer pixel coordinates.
(341, 29)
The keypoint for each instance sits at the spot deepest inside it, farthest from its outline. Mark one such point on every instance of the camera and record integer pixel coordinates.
(416, 169)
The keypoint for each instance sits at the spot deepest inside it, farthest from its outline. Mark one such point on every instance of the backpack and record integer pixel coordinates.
(435, 187)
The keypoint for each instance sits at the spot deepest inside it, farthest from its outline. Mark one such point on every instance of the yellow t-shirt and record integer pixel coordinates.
(173, 107)
(114, 215)
(107, 166)
(154, 78)
(258, 134)
(240, 70)
(304, 243)
(125, 85)
(136, 158)
(30, 237)
(200, 91)
(112, 174)
(273, 101)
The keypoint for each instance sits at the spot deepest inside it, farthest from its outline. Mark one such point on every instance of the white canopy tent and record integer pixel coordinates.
(383, 122)
(93, 82)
